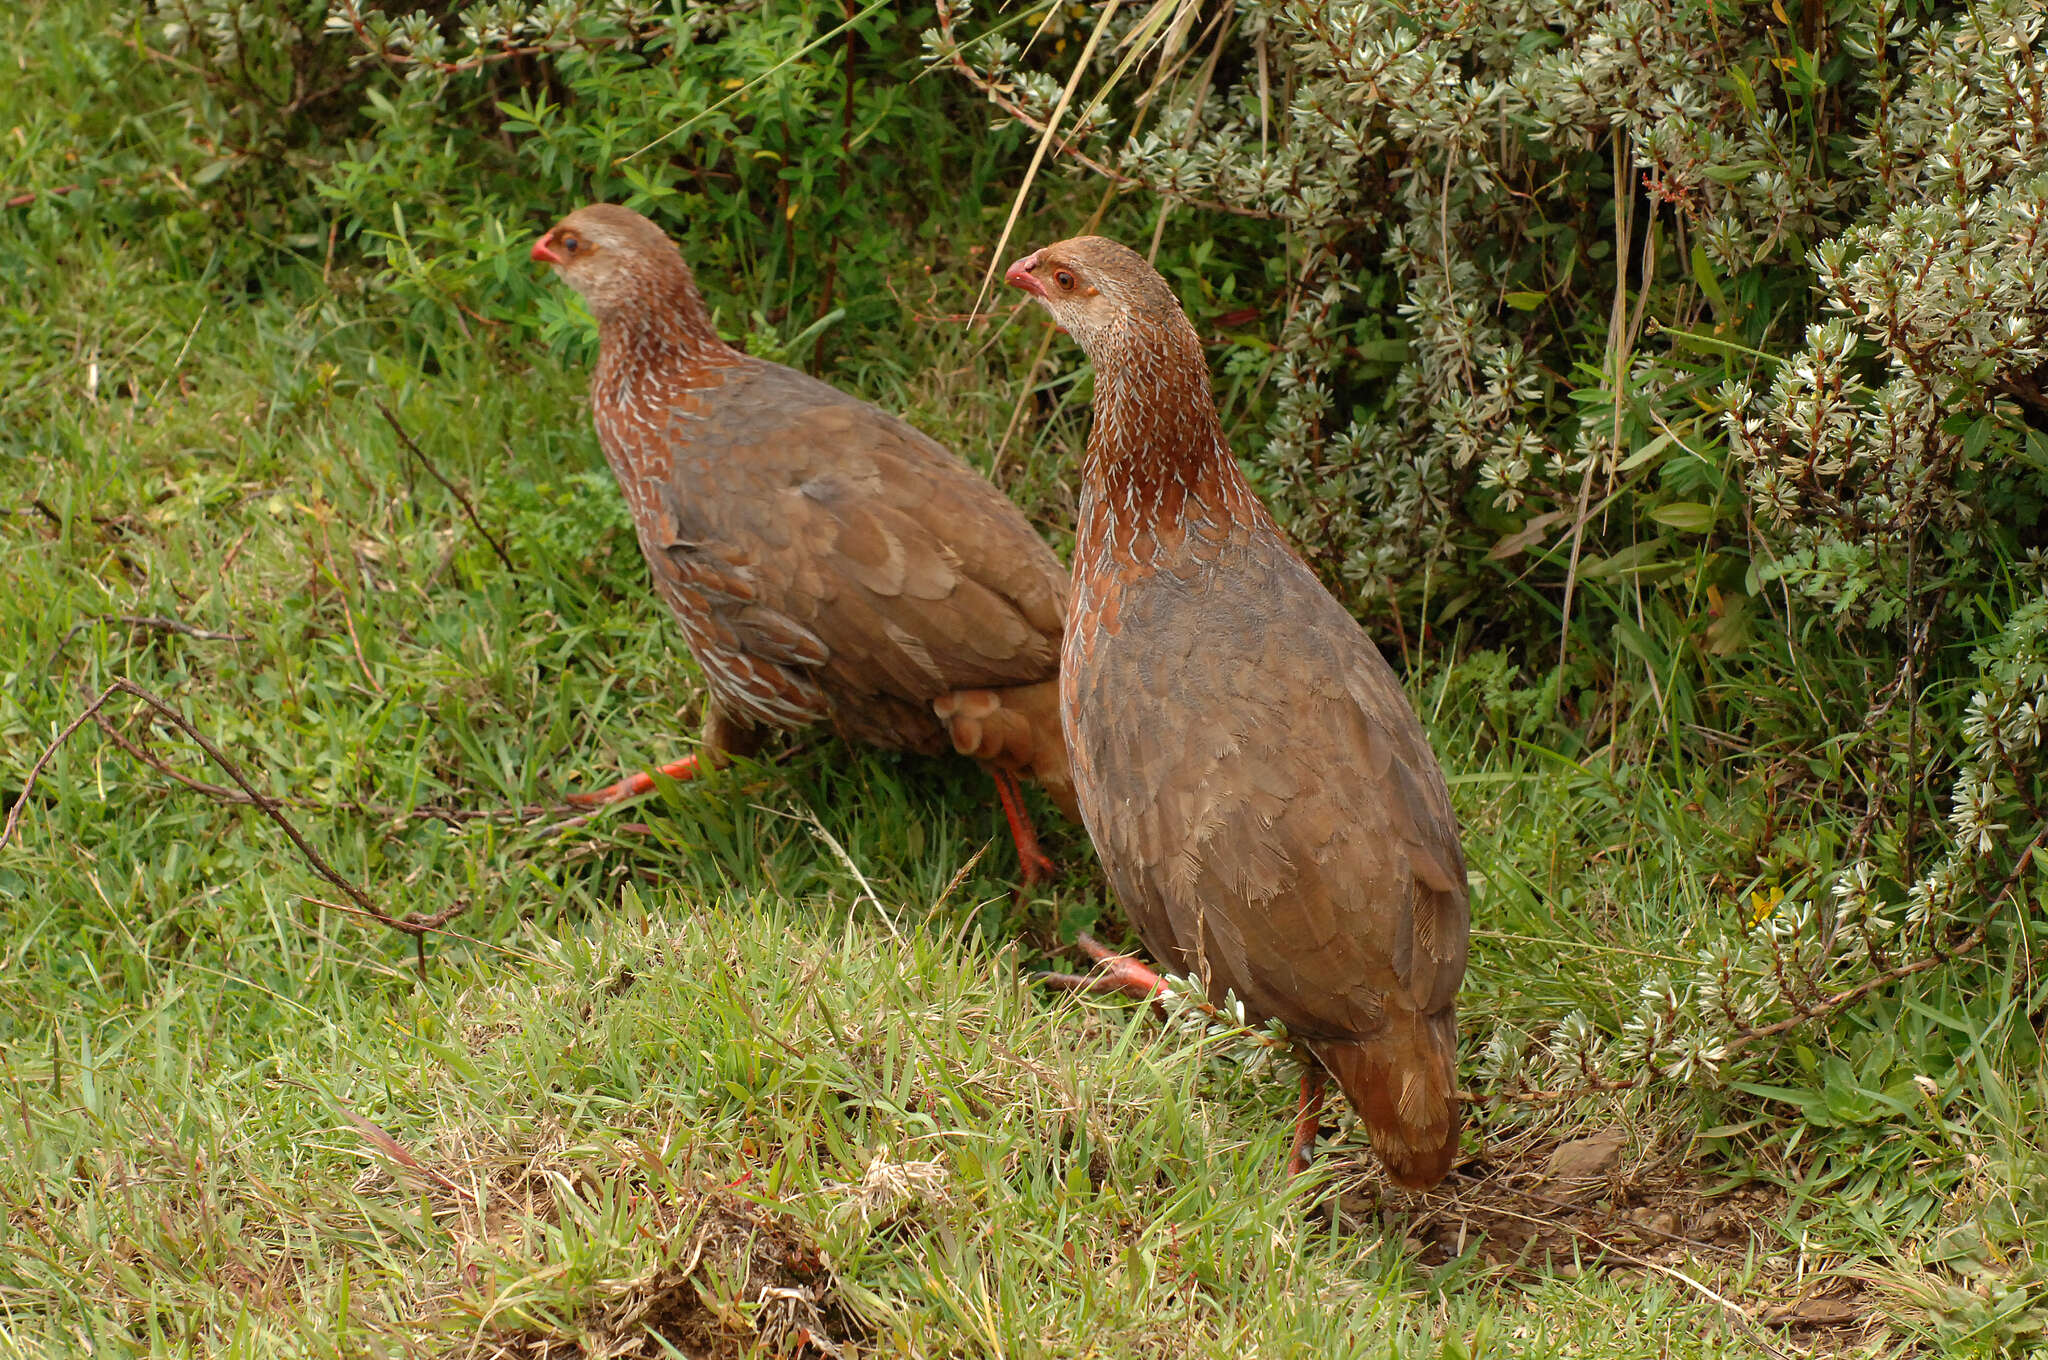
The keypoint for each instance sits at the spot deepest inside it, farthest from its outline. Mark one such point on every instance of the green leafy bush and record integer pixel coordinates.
(1578, 211)
(1691, 353)
(1675, 370)
(787, 142)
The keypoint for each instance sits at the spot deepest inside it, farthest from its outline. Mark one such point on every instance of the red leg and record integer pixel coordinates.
(1117, 973)
(1030, 859)
(686, 768)
(1308, 1116)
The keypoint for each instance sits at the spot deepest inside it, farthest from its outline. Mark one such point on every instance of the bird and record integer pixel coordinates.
(825, 561)
(1263, 798)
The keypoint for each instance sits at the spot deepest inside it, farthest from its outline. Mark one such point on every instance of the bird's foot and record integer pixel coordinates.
(1308, 1115)
(633, 787)
(1032, 862)
(1114, 973)
(1035, 866)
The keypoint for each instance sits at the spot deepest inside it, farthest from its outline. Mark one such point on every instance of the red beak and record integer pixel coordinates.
(1019, 275)
(545, 253)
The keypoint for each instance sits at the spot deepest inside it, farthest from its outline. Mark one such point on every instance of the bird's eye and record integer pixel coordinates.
(571, 244)
(1064, 280)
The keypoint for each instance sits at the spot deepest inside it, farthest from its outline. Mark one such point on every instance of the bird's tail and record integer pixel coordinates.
(1016, 729)
(1403, 1083)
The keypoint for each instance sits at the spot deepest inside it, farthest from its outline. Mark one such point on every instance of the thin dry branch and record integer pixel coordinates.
(461, 498)
(1062, 146)
(412, 923)
(28, 785)
(398, 815)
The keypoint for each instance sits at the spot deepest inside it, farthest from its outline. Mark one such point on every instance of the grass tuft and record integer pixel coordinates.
(684, 1079)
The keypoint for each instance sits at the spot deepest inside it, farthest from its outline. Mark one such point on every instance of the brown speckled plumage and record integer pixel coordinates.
(1262, 795)
(825, 561)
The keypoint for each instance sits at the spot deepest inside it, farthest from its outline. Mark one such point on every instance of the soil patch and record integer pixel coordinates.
(1602, 1202)
(749, 1282)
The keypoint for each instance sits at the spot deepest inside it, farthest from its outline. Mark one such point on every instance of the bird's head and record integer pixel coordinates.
(1101, 293)
(611, 255)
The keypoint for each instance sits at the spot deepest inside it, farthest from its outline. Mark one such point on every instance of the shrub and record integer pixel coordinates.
(788, 141)
(1692, 353)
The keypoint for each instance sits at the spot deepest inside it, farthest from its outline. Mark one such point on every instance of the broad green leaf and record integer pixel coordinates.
(1688, 517)
(1710, 286)
(1645, 453)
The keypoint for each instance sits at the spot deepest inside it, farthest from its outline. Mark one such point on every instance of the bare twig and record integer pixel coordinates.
(412, 923)
(217, 792)
(1062, 146)
(28, 785)
(467, 508)
(37, 506)
(28, 196)
(220, 794)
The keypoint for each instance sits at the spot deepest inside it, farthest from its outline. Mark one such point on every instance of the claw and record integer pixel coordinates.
(1035, 866)
(1308, 1115)
(1117, 973)
(633, 786)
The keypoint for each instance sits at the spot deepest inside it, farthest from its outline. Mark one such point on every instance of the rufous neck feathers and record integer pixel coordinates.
(1155, 420)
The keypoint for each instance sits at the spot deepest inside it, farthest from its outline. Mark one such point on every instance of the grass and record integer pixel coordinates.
(772, 1066)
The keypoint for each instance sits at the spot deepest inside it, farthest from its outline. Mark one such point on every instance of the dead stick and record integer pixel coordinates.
(453, 490)
(28, 785)
(217, 792)
(221, 794)
(411, 924)
(269, 806)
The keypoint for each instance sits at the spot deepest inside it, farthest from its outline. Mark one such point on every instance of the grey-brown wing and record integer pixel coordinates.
(762, 665)
(917, 575)
(1269, 808)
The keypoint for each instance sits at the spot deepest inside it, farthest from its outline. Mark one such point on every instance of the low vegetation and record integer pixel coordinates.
(294, 450)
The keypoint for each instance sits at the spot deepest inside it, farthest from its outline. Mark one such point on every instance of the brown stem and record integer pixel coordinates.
(1067, 148)
(412, 923)
(468, 509)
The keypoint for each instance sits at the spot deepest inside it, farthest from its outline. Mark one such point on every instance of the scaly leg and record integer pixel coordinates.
(1308, 1116)
(1117, 973)
(1031, 860)
(633, 787)
(722, 739)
